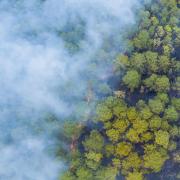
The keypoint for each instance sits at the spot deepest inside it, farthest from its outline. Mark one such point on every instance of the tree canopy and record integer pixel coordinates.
(134, 134)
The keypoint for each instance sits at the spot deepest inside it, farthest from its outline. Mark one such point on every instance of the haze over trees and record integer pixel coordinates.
(131, 136)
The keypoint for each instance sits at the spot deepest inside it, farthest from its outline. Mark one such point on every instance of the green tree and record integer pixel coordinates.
(162, 138)
(146, 113)
(138, 62)
(121, 62)
(154, 20)
(132, 114)
(71, 129)
(160, 31)
(132, 79)
(163, 97)
(162, 84)
(142, 40)
(119, 110)
(133, 161)
(113, 135)
(167, 49)
(93, 165)
(120, 125)
(174, 131)
(94, 142)
(140, 105)
(146, 22)
(150, 82)
(68, 176)
(140, 125)
(155, 122)
(94, 156)
(169, 4)
(154, 160)
(171, 114)
(151, 61)
(123, 149)
(84, 173)
(135, 176)
(157, 83)
(164, 63)
(116, 162)
(109, 150)
(147, 136)
(106, 173)
(176, 103)
(156, 106)
(104, 113)
(133, 136)
(165, 125)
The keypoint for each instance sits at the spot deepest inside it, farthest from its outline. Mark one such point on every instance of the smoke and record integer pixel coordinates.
(39, 74)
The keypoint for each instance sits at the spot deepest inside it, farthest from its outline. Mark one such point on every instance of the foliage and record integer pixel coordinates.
(154, 160)
(155, 122)
(171, 114)
(146, 113)
(94, 142)
(157, 83)
(132, 79)
(132, 135)
(121, 125)
(156, 106)
(103, 113)
(71, 129)
(113, 135)
(123, 149)
(162, 138)
(83, 173)
(176, 103)
(106, 173)
(142, 41)
(67, 176)
(135, 176)
(135, 140)
(133, 161)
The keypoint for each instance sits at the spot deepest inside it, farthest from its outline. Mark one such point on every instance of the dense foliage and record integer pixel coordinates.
(135, 140)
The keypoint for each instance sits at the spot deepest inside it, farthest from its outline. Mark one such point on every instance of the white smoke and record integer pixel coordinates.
(35, 69)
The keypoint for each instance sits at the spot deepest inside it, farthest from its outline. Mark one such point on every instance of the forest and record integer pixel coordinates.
(90, 89)
(132, 130)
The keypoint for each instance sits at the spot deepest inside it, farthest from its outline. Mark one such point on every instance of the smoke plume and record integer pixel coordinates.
(38, 74)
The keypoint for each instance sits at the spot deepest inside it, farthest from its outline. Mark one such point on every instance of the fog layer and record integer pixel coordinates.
(38, 74)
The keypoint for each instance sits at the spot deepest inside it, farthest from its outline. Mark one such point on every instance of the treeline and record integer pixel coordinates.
(127, 140)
